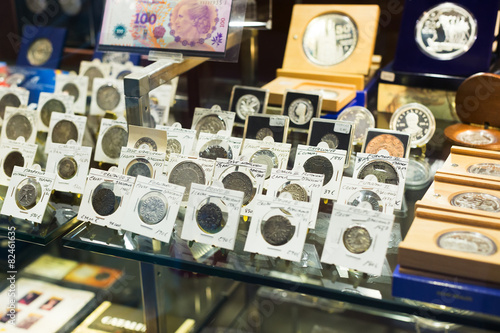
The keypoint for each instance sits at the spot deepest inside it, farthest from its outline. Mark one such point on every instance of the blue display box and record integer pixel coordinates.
(31, 34)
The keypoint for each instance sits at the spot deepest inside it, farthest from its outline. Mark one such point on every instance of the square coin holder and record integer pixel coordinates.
(147, 138)
(301, 107)
(134, 161)
(246, 101)
(75, 86)
(113, 135)
(70, 164)
(14, 154)
(387, 142)
(12, 96)
(215, 146)
(212, 120)
(257, 127)
(65, 127)
(19, 122)
(50, 103)
(179, 140)
(336, 133)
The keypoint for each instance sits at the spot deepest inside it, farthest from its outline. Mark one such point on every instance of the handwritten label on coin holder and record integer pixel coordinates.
(76, 157)
(246, 101)
(40, 182)
(11, 97)
(336, 157)
(225, 119)
(145, 194)
(379, 196)
(310, 183)
(155, 158)
(74, 84)
(296, 214)
(19, 122)
(255, 172)
(228, 206)
(230, 144)
(387, 142)
(336, 134)
(112, 101)
(10, 153)
(145, 138)
(399, 164)
(357, 238)
(121, 188)
(59, 119)
(45, 112)
(159, 100)
(107, 124)
(259, 126)
(178, 138)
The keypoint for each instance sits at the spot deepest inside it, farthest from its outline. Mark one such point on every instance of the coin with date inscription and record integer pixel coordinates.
(277, 230)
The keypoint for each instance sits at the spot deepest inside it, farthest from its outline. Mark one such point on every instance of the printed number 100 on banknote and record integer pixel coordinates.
(184, 25)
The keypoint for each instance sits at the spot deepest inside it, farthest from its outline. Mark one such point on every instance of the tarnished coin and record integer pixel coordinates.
(26, 196)
(39, 52)
(477, 200)
(8, 99)
(113, 140)
(14, 158)
(490, 169)
(297, 192)
(52, 105)
(152, 207)
(357, 239)
(277, 230)
(379, 171)
(211, 123)
(266, 157)
(366, 199)
(331, 140)
(320, 165)
(146, 143)
(247, 105)
(467, 241)
(107, 97)
(476, 137)
(386, 143)
(239, 181)
(18, 125)
(63, 131)
(184, 174)
(71, 89)
(263, 132)
(210, 218)
(173, 147)
(139, 166)
(214, 149)
(330, 39)
(363, 120)
(301, 111)
(104, 201)
(67, 167)
(92, 73)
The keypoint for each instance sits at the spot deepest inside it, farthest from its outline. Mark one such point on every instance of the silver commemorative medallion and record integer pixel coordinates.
(67, 167)
(152, 207)
(320, 165)
(297, 192)
(366, 199)
(108, 97)
(14, 158)
(467, 241)
(113, 140)
(71, 89)
(215, 149)
(477, 200)
(26, 195)
(146, 143)
(247, 105)
(301, 111)
(18, 125)
(92, 73)
(277, 230)
(379, 171)
(9, 99)
(263, 132)
(330, 39)
(331, 140)
(490, 169)
(266, 157)
(104, 200)
(416, 120)
(363, 120)
(357, 239)
(239, 181)
(476, 137)
(446, 31)
(211, 123)
(210, 218)
(52, 105)
(184, 174)
(63, 131)
(39, 52)
(139, 166)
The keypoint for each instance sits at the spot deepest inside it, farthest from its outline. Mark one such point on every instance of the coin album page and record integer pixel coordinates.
(15, 154)
(63, 103)
(301, 107)
(179, 140)
(75, 86)
(326, 161)
(159, 101)
(246, 101)
(101, 144)
(379, 168)
(222, 120)
(215, 146)
(301, 186)
(19, 122)
(257, 127)
(105, 198)
(65, 127)
(278, 228)
(14, 95)
(387, 142)
(336, 134)
(153, 208)
(107, 96)
(28, 194)
(71, 165)
(212, 216)
(357, 238)
(135, 162)
(240, 175)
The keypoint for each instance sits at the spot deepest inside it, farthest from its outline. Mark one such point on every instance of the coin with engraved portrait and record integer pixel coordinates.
(173, 147)
(301, 111)
(277, 230)
(92, 73)
(215, 149)
(446, 31)
(185, 173)
(476, 137)
(247, 105)
(467, 241)
(297, 191)
(146, 143)
(379, 171)
(320, 165)
(139, 167)
(363, 120)
(152, 207)
(266, 157)
(366, 199)
(490, 169)
(14, 158)
(211, 123)
(263, 132)
(63, 131)
(9, 99)
(113, 140)
(386, 143)
(18, 125)
(477, 200)
(67, 167)
(52, 105)
(107, 97)
(71, 89)
(416, 120)
(209, 218)
(26, 195)
(330, 39)
(357, 239)
(239, 181)
(39, 52)
(104, 200)
(331, 140)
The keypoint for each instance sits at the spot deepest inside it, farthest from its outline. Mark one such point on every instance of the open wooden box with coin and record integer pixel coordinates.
(329, 49)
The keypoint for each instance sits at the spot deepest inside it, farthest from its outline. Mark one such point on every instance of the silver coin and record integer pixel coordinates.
(18, 125)
(26, 196)
(104, 200)
(490, 169)
(139, 166)
(477, 200)
(108, 97)
(330, 39)
(301, 111)
(146, 143)
(277, 230)
(363, 120)
(297, 192)
(379, 171)
(71, 89)
(239, 181)
(331, 140)
(357, 239)
(266, 157)
(52, 105)
(320, 165)
(211, 123)
(366, 199)
(467, 241)
(173, 147)
(63, 131)
(71, 7)
(14, 158)
(113, 140)
(9, 99)
(263, 132)
(476, 137)
(67, 167)
(446, 31)
(247, 105)
(185, 173)
(92, 73)
(39, 52)
(416, 120)
(37, 6)
(214, 149)
(152, 207)
(210, 218)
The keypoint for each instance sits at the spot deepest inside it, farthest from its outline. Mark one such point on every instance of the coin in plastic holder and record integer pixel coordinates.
(211, 123)
(266, 157)
(416, 120)
(92, 73)
(277, 230)
(240, 181)
(215, 149)
(467, 241)
(108, 97)
(18, 125)
(106, 198)
(211, 215)
(489, 169)
(446, 31)
(39, 52)
(477, 200)
(263, 132)
(8, 99)
(386, 143)
(14, 158)
(152, 207)
(173, 147)
(28, 193)
(330, 39)
(63, 131)
(52, 105)
(379, 171)
(113, 140)
(67, 167)
(184, 174)
(363, 120)
(357, 239)
(418, 174)
(139, 167)
(146, 143)
(301, 111)
(71, 89)
(297, 191)
(320, 165)
(247, 105)
(366, 199)
(331, 140)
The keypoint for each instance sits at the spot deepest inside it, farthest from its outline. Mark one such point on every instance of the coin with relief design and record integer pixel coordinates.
(386, 143)
(146, 143)
(357, 239)
(490, 169)
(331, 140)
(152, 207)
(297, 191)
(9, 99)
(363, 120)
(211, 123)
(63, 131)
(18, 125)
(301, 111)
(266, 157)
(185, 173)
(476, 137)
(67, 167)
(27, 194)
(139, 167)
(366, 199)
(104, 201)
(92, 73)
(39, 52)
(215, 149)
(467, 241)
(247, 105)
(173, 147)
(416, 120)
(71, 89)
(477, 200)
(320, 165)
(108, 97)
(239, 181)
(263, 132)
(379, 171)
(209, 218)
(277, 230)
(52, 105)
(113, 140)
